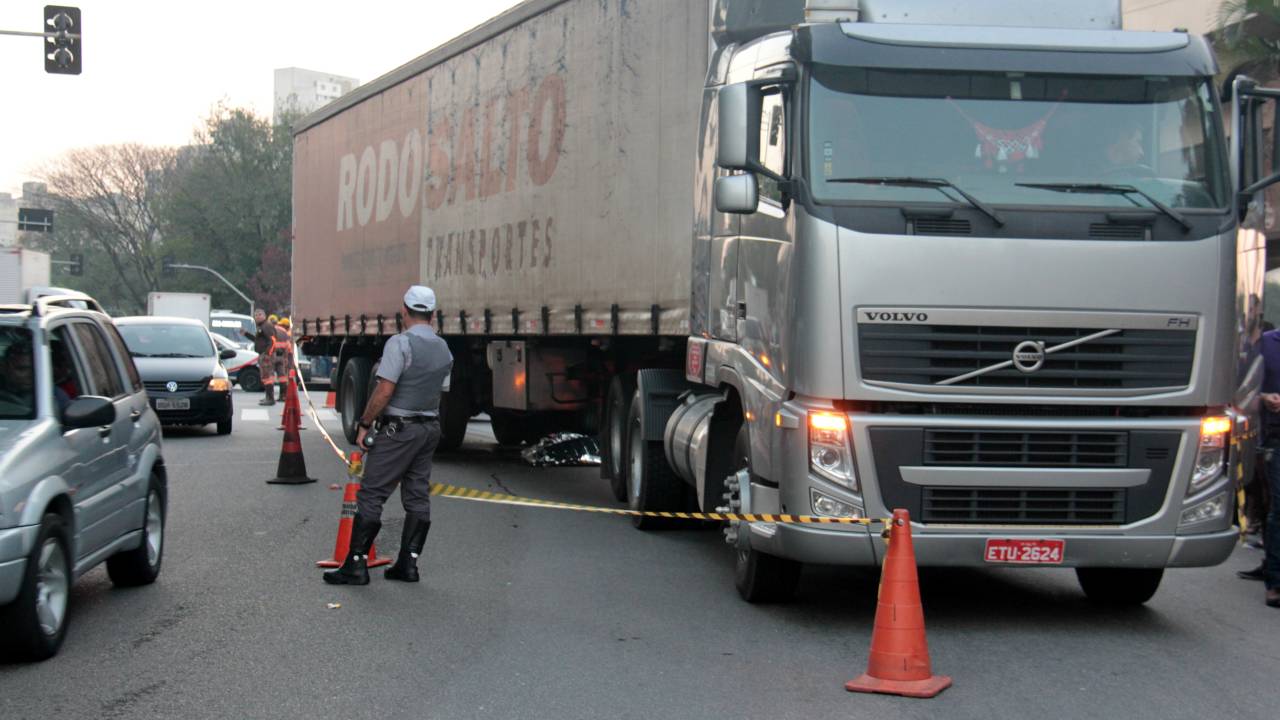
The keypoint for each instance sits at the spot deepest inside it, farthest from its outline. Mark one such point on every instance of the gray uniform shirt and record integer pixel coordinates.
(419, 362)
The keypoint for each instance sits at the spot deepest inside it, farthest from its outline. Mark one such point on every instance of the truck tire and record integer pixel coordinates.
(34, 624)
(141, 566)
(250, 379)
(1119, 586)
(512, 427)
(355, 394)
(455, 413)
(760, 577)
(613, 432)
(652, 486)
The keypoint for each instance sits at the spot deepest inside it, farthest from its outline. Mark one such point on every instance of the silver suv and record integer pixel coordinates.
(81, 475)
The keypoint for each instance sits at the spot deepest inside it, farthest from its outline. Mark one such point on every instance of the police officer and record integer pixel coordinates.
(406, 406)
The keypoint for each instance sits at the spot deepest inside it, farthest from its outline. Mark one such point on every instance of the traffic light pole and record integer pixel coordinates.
(218, 275)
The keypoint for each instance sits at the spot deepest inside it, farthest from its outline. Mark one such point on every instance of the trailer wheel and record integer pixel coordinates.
(652, 486)
(760, 577)
(1119, 586)
(613, 431)
(455, 413)
(355, 394)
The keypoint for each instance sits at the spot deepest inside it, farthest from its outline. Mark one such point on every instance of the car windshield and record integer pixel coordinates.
(993, 134)
(233, 328)
(17, 375)
(172, 341)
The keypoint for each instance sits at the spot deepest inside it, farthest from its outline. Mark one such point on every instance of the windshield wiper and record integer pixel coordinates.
(177, 355)
(923, 182)
(1114, 190)
(138, 354)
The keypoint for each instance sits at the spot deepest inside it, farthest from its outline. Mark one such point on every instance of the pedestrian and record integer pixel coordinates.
(1270, 568)
(263, 344)
(282, 354)
(403, 415)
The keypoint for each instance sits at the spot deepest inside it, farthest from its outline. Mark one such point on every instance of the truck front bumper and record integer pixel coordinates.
(958, 549)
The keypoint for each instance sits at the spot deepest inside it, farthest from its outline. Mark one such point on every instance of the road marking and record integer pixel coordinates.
(258, 414)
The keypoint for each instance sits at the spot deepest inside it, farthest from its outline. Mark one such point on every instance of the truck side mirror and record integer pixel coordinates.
(739, 194)
(737, 147)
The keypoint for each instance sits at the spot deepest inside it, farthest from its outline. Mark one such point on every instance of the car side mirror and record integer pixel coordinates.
(227, 354)
(88, 411)
(738, 194)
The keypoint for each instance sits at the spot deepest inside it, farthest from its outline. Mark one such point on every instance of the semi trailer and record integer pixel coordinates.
(997, 264)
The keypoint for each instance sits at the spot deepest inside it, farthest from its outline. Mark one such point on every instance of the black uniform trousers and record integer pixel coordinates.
(399, 456)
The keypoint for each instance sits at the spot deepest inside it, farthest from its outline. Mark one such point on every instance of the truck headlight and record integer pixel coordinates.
(1215, 508)
(1211, 458)
(830, 454)
(220, 385)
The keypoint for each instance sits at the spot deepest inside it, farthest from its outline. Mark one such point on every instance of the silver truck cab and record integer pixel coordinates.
(82, 479)
(1006, 277)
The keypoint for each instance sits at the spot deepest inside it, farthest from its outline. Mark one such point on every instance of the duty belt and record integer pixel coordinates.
(397, 421)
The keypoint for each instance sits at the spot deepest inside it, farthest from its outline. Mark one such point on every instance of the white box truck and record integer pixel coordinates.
(21, 270)
(179, 304)
(992, 262)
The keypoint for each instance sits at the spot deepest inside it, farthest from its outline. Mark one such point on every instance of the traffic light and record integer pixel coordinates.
(166, 266)
(76, 267)
(62, 51)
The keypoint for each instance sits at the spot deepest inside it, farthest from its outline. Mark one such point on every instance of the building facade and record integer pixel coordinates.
(301, 90)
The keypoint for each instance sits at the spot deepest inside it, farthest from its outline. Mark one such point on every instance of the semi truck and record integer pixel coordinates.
(996, 263)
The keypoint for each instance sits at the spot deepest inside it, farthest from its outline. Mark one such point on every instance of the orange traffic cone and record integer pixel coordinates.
(292, 407)
(292, 469)
(899, 663)
(346, 520)
(331, 399)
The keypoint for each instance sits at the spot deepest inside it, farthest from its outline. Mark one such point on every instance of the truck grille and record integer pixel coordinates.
(916, 354)
(1013, 506)
(183, 386)
(1011, 448)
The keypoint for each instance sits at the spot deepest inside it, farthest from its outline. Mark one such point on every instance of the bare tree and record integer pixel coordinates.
(112, 194)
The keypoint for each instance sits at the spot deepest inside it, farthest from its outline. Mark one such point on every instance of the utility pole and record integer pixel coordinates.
(168, 265)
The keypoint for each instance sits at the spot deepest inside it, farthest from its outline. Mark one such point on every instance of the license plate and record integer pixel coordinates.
(173, 404)
(1025, 552)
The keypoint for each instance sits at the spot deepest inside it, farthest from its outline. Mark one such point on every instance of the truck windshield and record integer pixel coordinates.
(1009, 138)
(166, 341)
(17, 375)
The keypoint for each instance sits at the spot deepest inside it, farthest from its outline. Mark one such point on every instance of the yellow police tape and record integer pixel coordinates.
(462, 493)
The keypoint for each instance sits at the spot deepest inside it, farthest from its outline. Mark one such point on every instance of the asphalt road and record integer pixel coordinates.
(537, 613)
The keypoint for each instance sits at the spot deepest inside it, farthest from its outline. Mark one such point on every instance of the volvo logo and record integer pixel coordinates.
(1028, 356)
(172, 386)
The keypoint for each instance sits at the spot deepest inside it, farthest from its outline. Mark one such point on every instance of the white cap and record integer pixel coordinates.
(420, 298)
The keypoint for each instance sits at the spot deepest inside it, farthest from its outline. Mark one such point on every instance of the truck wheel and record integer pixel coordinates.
(455, 413)
(355, 394)
(760, 577)
(141, 566)
(613, 431)
(652, 486)
(250, 379)
(1119, 586)
(35, 623)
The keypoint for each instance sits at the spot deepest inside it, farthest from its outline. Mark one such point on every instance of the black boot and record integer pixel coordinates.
(412, 540)
(355, 569)
(270, 398)
(1258, 573)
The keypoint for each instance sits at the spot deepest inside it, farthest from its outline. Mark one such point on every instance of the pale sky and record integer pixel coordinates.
(153, 69)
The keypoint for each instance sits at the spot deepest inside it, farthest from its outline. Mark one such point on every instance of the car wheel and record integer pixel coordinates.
(1119, 586)
(36, 621)
(250, 379)
(141, 566)
(224, 426)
